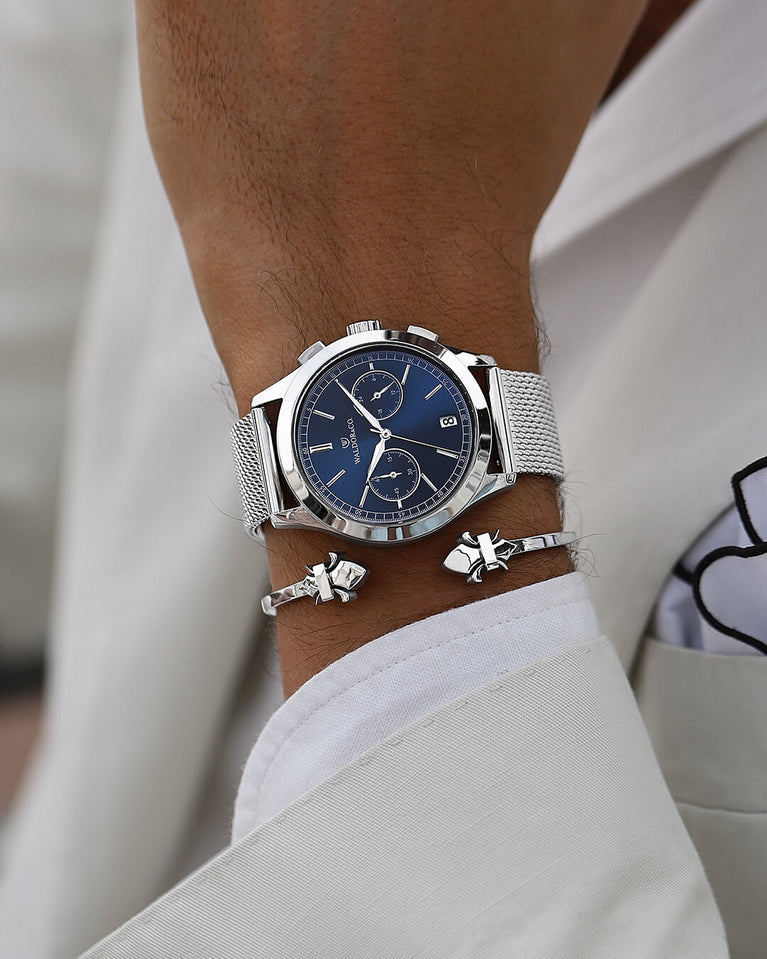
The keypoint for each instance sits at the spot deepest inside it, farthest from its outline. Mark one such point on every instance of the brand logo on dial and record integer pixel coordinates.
(353, 440)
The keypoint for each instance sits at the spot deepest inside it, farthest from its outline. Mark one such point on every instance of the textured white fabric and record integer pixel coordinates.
(648, 155)
(384, 686)
(526, 818)
(706, 715)
(93, 818)
(683, 370)
(700, 89)
(148, 639)
(678, 403)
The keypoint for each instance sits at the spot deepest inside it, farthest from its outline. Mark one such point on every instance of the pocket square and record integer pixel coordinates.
(730, 583)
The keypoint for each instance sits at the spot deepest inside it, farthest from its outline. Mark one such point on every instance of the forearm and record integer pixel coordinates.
(330, 163)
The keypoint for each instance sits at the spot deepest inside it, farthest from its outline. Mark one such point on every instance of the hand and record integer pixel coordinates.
(360, 408)
(391, 475)
(379, 393)
(434, 446)
(378, 452)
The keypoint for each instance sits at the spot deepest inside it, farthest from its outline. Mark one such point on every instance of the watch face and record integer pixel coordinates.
(384, 436)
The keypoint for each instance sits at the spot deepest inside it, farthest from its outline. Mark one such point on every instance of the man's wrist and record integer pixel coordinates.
(473, 290)
(407, 581)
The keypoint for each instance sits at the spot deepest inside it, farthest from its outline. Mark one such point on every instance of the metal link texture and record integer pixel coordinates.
(247, 463)
(533, 428)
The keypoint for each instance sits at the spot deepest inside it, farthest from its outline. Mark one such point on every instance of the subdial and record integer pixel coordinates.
(396, 476)
(379, 392)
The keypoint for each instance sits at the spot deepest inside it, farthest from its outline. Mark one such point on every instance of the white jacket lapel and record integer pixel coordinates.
(677, 401)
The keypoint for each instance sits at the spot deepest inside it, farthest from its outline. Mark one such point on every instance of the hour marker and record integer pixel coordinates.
(428, 482)
(449, 453)
(372, 366)
(404, 375)
(321, 447)
(338, 476)
(436, 388)
(399, 503)
(328, 416)
(364, 494)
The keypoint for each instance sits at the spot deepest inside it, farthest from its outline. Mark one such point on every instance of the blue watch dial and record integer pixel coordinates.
(380, 392)
(384, 436)
(396, 476)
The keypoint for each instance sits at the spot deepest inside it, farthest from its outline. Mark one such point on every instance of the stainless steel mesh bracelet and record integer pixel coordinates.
(529, 418)
(250, 475)
(527, 421)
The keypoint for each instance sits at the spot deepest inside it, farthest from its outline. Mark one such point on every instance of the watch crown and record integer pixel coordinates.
(363, 326)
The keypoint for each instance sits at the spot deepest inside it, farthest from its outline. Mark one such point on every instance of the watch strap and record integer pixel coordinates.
(248, 463)
(531, 425)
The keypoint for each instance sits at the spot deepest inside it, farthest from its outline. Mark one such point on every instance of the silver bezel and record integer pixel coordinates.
(312, 512)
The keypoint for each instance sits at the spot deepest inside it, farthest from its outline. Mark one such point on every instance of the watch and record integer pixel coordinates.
(385, 436)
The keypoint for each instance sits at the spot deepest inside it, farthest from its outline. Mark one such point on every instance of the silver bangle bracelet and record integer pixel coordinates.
(475, 555)
(337, 578)
(340, 578)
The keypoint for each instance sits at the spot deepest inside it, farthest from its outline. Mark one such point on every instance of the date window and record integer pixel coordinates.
(445, 421)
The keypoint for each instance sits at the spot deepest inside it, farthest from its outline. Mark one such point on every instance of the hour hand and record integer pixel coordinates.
(361, 409)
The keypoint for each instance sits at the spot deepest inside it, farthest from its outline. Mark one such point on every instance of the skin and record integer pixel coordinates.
(659, 17)
(334, 162)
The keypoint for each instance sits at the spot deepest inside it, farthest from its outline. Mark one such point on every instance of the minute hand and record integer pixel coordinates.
(360, 408)
(434, 446)
(378, 452)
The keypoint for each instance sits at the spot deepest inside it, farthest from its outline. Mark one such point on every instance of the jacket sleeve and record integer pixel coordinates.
(526, 817)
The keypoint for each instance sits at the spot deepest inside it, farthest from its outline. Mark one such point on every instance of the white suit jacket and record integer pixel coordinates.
(456, 838)
(682, 374)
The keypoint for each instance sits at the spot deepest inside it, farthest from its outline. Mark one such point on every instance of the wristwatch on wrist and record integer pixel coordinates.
(384, 436)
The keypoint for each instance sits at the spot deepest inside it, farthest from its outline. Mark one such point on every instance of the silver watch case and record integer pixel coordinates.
(311, 513)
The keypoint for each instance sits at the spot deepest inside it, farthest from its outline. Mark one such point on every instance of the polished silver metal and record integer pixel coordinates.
(337, 578)
(310, 351)
(499, 410)
(363, 326)
(516, 414)
(422, 331)
(476, 555)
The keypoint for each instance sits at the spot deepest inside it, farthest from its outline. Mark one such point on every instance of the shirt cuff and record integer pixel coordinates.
(381, 688)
